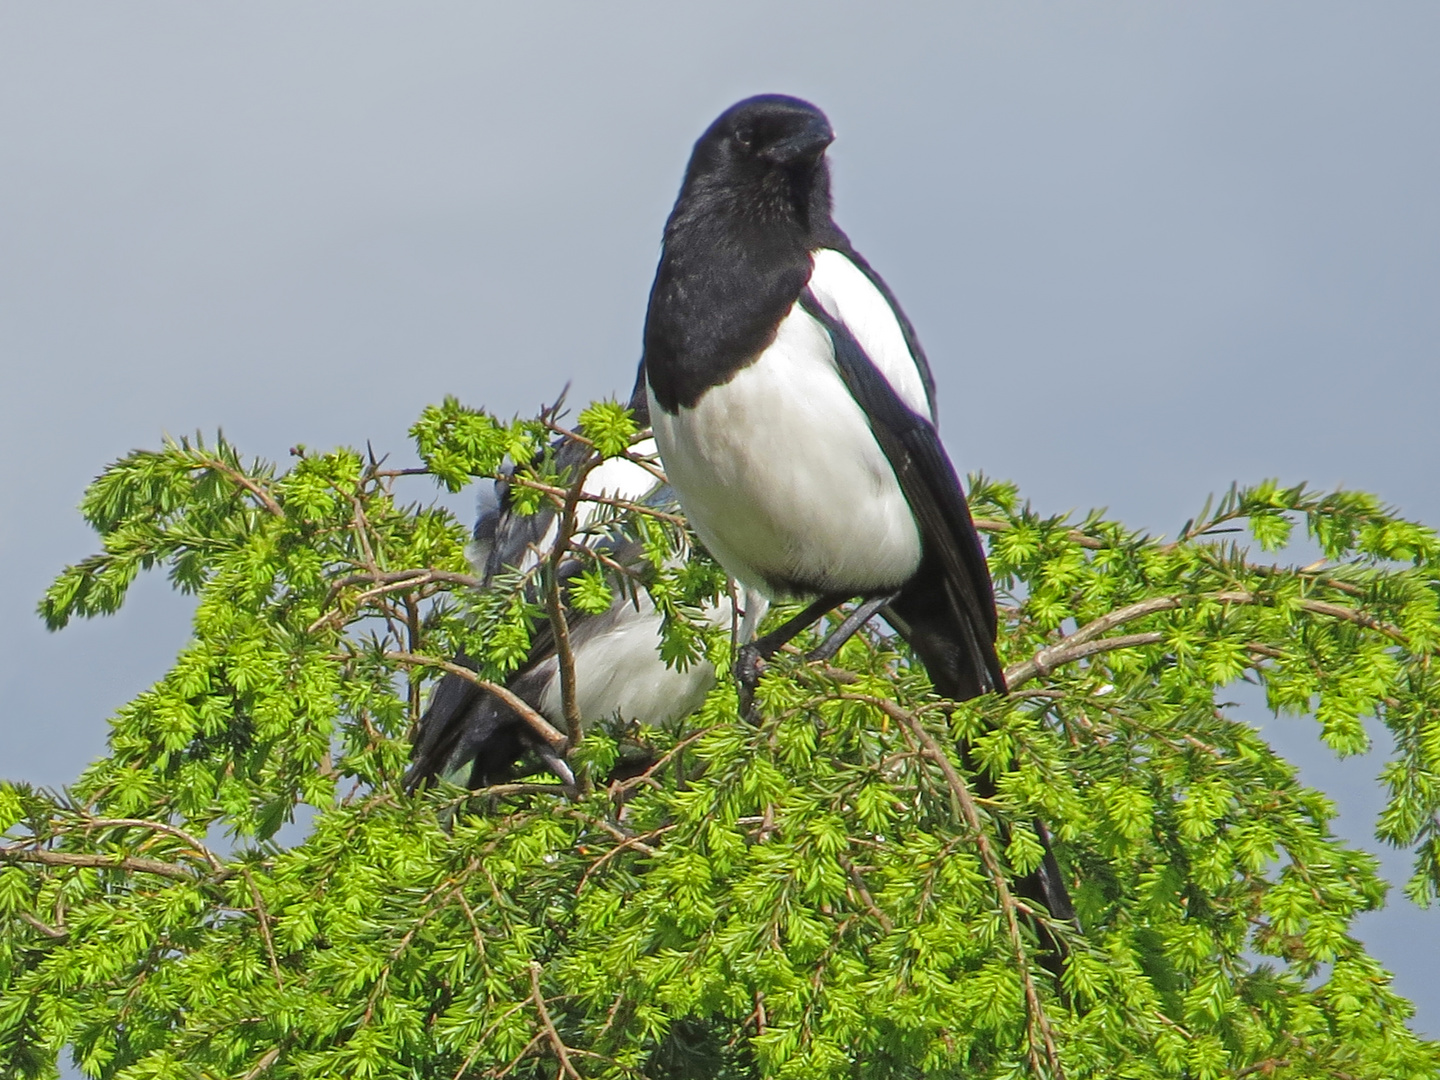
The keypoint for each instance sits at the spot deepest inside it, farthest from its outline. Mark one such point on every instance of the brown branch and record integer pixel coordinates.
(484, 1039)
(538, 723)
(97, 862)
(44, 927)
(234, 475)
(560, 625)
(162, 827)
(865, 897)
(621, 787)
(1045, 661)
(1075, 536)
(557, 1044)
(560, 493)
(646, 463)
(1036, 1020)
(635, 842)
(262, 916)
(497, 790)
(1069, 648)
(266, 1060)
(417, 576)
(396, 581)
(539, 1037)
(1359, 618)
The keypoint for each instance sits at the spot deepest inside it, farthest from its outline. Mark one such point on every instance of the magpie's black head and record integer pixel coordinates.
(774, 129)
(766, 136)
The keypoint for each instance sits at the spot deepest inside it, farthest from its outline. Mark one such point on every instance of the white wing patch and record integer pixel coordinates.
(849, 297)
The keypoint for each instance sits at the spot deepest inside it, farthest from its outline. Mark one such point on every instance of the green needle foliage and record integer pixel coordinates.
(818, 894)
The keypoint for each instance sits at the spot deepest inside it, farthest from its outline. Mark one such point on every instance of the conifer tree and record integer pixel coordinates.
(820, 893)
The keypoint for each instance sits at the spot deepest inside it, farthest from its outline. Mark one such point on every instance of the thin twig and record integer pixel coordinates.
(1075, 536)
(396, 581)
(234, 475)
(1036, 1020)
(538, 723)
(1045, 661)
(865, 897)
(481, 1043)
(44, 927)
(558, 1044)
(97, 862)
(664, 759)
(636, 842)
(266, 1060)
(564, 654)
(604, 500)
(262, 916)
(1068, 649)
(159, 826)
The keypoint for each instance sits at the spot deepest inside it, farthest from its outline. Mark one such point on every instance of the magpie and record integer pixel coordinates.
(618, 667)
(794, 411)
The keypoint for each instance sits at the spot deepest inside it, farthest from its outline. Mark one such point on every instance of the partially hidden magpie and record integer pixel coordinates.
(618, 668)
(794, 411)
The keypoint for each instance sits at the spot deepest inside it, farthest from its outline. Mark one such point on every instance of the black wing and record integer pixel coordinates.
(947, 610)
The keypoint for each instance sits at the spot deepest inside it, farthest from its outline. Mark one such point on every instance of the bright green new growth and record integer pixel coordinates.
(818, 895)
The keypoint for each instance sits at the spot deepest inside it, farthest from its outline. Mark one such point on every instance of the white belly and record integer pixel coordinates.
(781, 476)
(619, 670)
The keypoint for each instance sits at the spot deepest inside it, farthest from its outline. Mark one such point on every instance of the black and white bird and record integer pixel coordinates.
(473, 737)
(794, 409)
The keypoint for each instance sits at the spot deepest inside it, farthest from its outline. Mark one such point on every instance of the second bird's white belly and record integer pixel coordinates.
(781, 476)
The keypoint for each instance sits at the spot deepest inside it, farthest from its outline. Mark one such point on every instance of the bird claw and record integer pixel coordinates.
(561, 768)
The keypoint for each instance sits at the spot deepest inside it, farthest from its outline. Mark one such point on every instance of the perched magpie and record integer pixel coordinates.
(618, 668)
(794, 410)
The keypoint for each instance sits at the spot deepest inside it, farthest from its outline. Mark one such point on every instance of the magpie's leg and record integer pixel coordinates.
(750, 657)
(846, 630)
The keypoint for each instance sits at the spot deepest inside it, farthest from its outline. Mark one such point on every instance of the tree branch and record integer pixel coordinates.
(564, 654)
(1075, 536)
(262, 916)
(161, 827)
(237, 477)
(266, 1060)
(1083, 643)
(522, 708)
(1067, 652)
(44, 927)
(557, 1044)
(97, 862)
(1036, 1021)
(865, 898)
(603, 500)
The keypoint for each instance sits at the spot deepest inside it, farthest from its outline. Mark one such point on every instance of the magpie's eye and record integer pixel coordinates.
(744, 137)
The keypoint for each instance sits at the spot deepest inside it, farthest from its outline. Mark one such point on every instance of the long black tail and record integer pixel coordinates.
(960, 658)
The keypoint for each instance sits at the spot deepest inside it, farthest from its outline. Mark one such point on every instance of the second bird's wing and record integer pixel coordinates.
(462, 725)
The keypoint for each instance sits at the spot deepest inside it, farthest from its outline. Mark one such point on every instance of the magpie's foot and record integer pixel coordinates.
(749, 666)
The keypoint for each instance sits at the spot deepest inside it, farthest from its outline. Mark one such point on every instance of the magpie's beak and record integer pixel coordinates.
(804, 147)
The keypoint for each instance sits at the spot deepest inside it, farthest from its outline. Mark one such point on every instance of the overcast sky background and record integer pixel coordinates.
(1150, 249)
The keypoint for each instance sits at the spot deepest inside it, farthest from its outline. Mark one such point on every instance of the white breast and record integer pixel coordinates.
(780, 475)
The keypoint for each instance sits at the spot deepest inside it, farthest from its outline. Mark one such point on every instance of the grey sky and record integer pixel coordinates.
(1150, 249)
